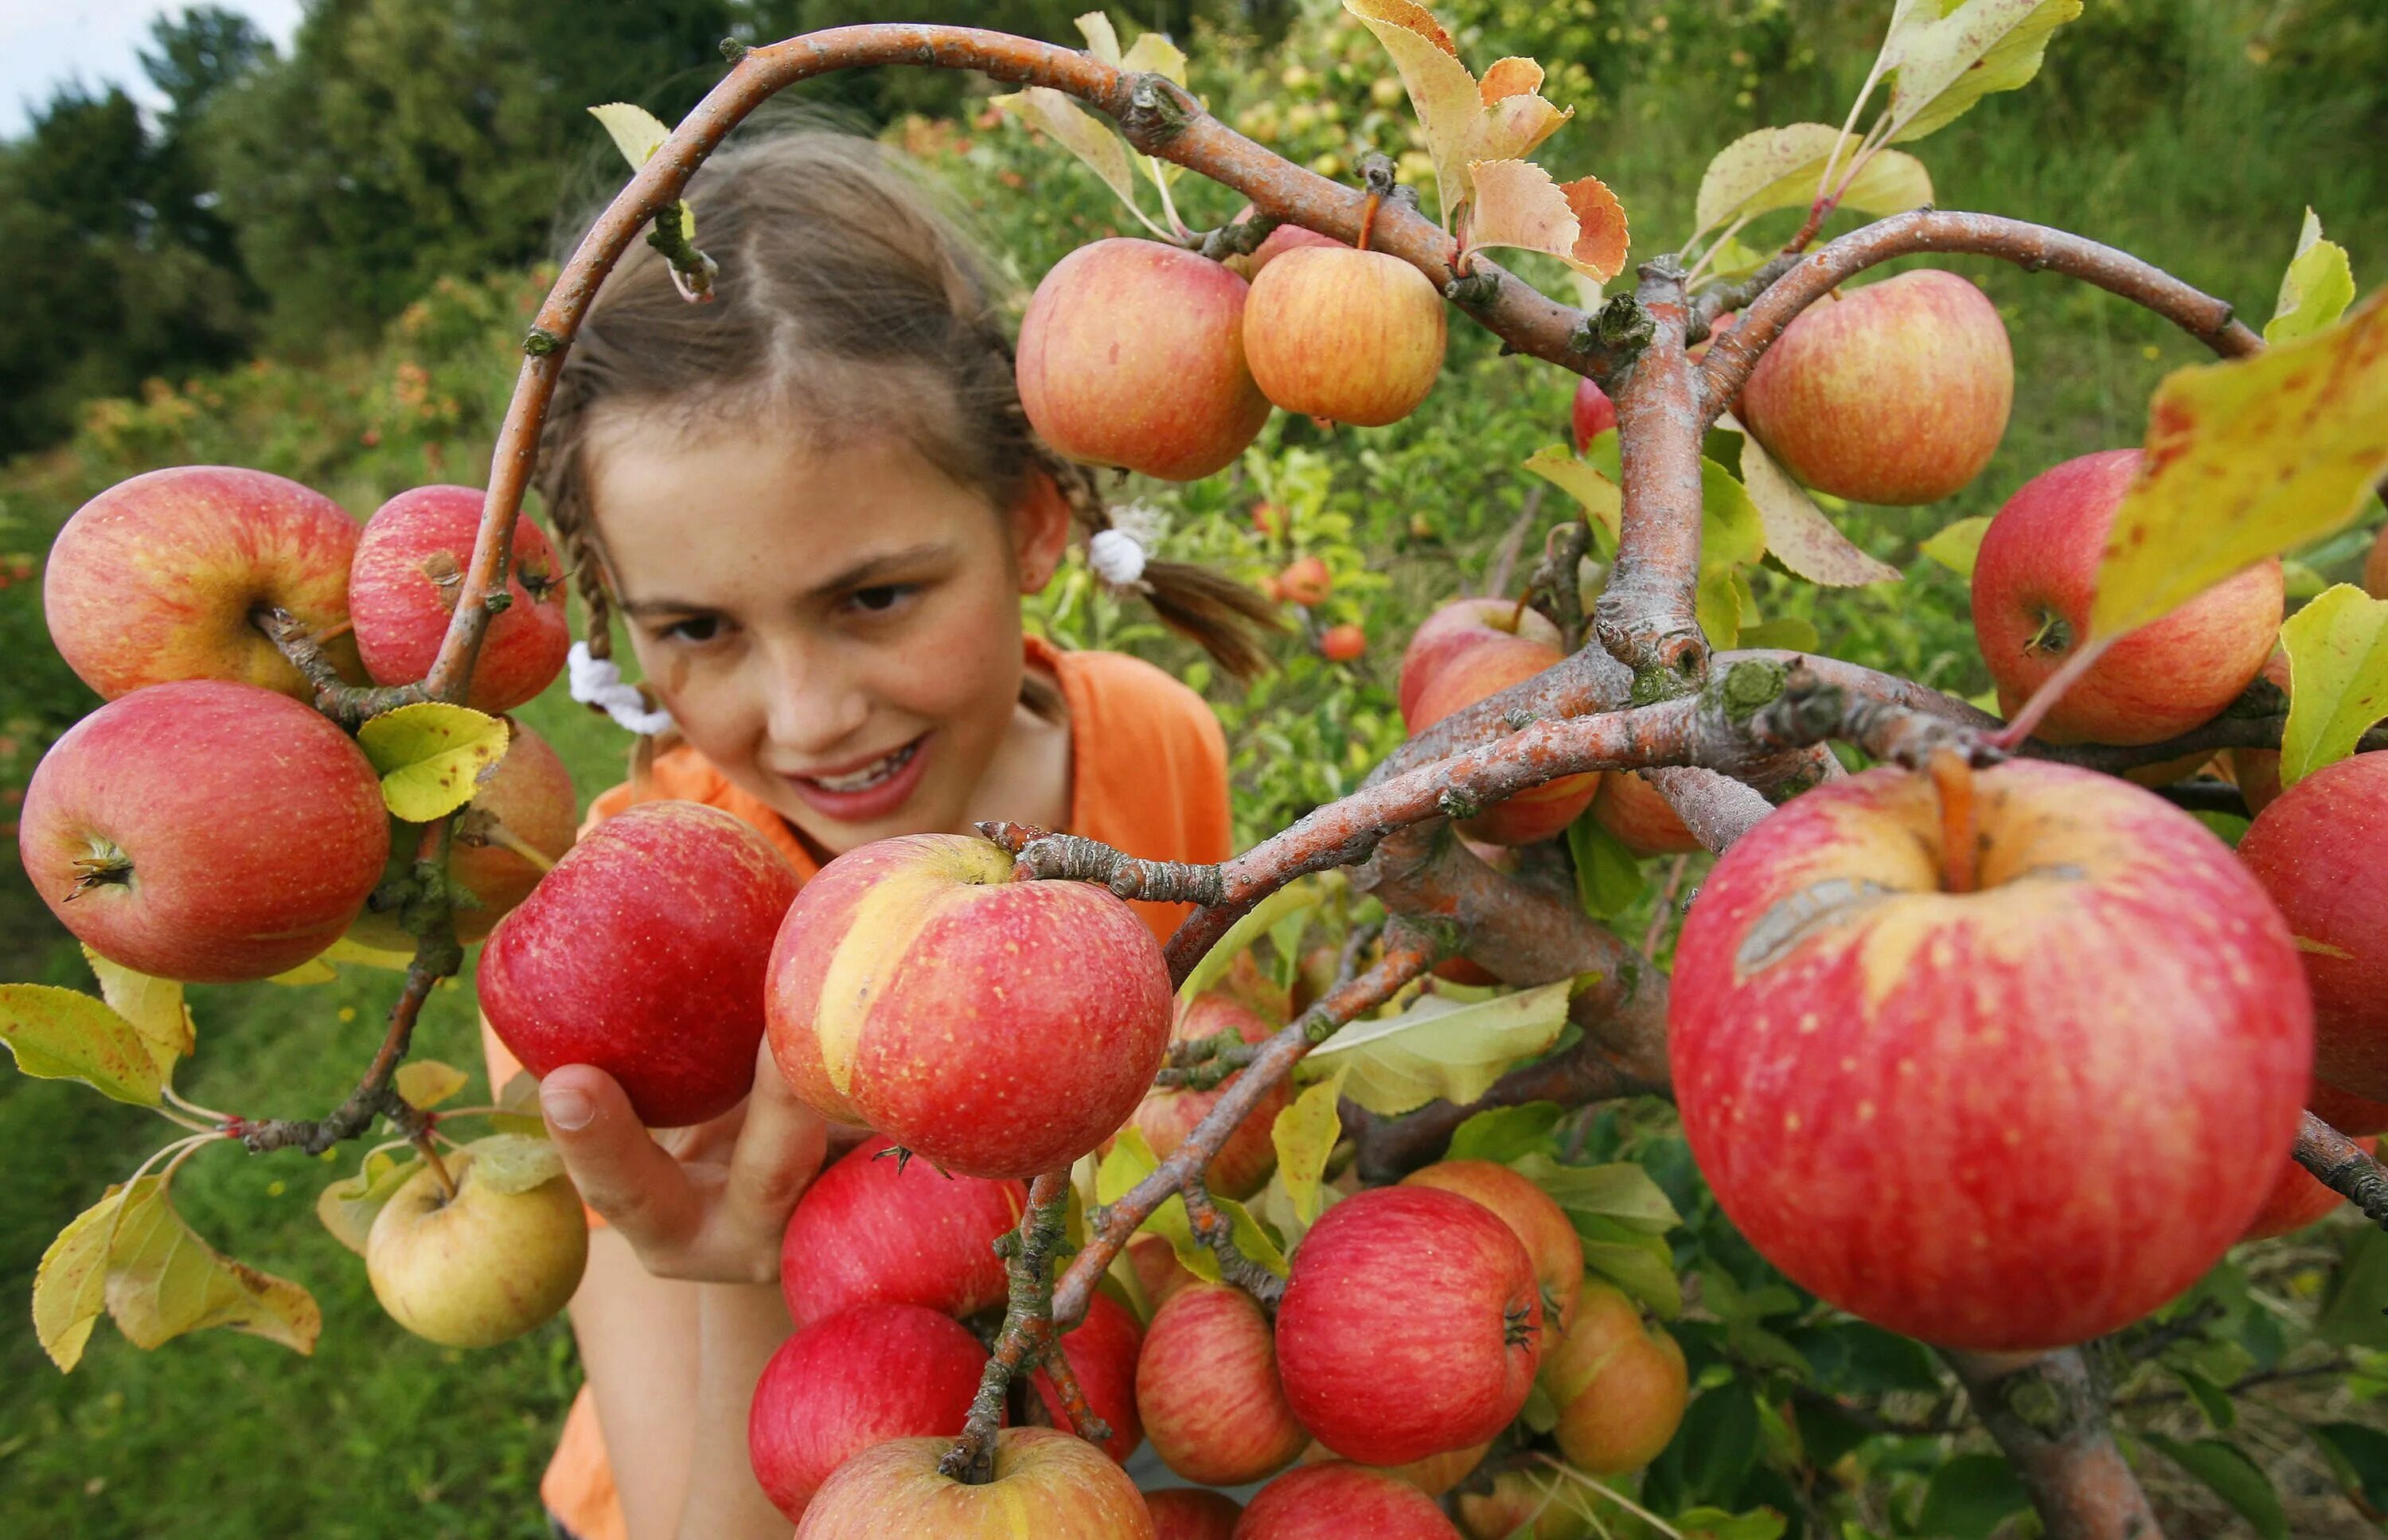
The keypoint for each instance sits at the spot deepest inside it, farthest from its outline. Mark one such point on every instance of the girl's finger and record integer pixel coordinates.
(615, 1164)
(779, 1151)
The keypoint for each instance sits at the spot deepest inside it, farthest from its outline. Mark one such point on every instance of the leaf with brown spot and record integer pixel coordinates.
(163, 1280)
(60, 1034)
(1519, 204)
(432, 756)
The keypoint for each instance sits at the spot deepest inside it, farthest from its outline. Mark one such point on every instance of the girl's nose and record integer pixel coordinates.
(812, 705)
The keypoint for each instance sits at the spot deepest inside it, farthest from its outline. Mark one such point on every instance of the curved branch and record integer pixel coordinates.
(2339, 1164)
(2048, 1411)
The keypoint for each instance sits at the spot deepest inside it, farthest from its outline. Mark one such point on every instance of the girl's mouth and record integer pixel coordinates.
(869, 791)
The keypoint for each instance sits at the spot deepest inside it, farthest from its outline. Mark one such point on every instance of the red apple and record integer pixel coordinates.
(1158, 1271)
(1532, 1505)
(1460, 628)
(2297, 1200)
(1047, 1483)
(1620, 1386)
(1894, 393)
(2375, 567)
(1540, 1224)
(1355, 336)
(402, 593)
(1132, 353)
(1192, 1513)
(2033, 583)
(1000, 1028)
(1166, 1117)
(873, 1225)
(1102, 1351)
(1644, 821)
(1412, 1325)
(858, 1378)
(154, 579)
(1592, 414)
(1342, 644)
(2005, 1118)
(644, 952)
(1462, 679)
(2319, 851)
(204, 830)
(1306, 581)
(1207, 1389)
(1434, 1475)
(2343, 1110)
(1341, 1501)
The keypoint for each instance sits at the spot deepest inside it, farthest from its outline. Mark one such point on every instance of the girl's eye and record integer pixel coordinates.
(880, 598)
(696, 628)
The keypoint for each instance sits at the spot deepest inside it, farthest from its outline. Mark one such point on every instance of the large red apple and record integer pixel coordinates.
(1166, 1117)
(2320, 851)
(2297, 1200)
(1192, 1513)
(204, 830)
(1412, 1324)
(858, 1378)
(1460, 628)
(1341, 1501)
(873, 1225)
(1356, 337)
(1463, 677)
(1047, 1483)
(1644, 821)
(1102, 1351)
(403, 587)
(1207, 1389)
(1132, 353)
(644, 953)
(1000, 1028)
(2003, 1118)
(1540, 1224)
(155, 579)
(1620, 1386)
(1894, 393)
(2033, 583)
(1591, 414)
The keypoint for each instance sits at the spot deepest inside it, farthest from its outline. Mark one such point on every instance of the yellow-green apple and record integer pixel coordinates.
(1339, 1501)
(1461, 678)
(402, 586)
(1619, 1386)
(482, 1267)
(865, 1375)
(2004, 1096)
(1531, 1505)
(1103, 1351)
(2375, 567)
(1460, 628)
(1591, 414)
(1207, 1389)
(1540, 1224)
(1342, 643)
(1158, 1271)
(1276, 244)
(1192, 1513)
(1132, 353)
(518, 825)
(644, 952)
(1047, 1483)
(1000, 1028)
(1434, 1475)
(2033, 583)
(2319, 851)
(155, 579)
(1894, 393)
(876, 1226)
(204, 830)
(1165, 1116)
(2297, 1200)
(2343, 1110)
(1412, 1325)
(1645, 823)
(1356, 337)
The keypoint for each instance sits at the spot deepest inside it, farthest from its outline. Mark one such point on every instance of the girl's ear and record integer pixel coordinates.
(1040, 531)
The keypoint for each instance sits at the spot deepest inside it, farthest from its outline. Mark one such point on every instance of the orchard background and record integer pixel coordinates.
(348, 312)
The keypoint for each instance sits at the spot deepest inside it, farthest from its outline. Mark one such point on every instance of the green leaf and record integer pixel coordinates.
(71, 1285)
(512, 1163)
(2359, 1456)
(163, 1280)
(1958, 546)
(1948, 58)
(1264, 916)
(348, 1207)
(1621, 1191)
(2234, 1478)
(1642, 1264)
(1441, 1049)
(1791, 634)
(1608, 881)
(154, 1006)
(1970, 1496)
(2354, 1313)
(432, 756)
(2338, 678)
(1077, 130)
(427, 1082)
(1540, 1413)
(1779, 168)
(1718, 1442)
(2315, 291)
(1796, 530)
(519, 1097)
(1250, 1237)
(1305, 1134)
(1504, 1134)
(2247, 459)
(61, 1034)
(1707, 1522)
(1595, 489)
(1130, 1161)
(1856, 1357)
(2211, 1398)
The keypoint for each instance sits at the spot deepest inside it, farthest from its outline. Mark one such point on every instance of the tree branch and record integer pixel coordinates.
(1027, 1336)
(2049, 1414)
(2339, 1164)
(1645, 618)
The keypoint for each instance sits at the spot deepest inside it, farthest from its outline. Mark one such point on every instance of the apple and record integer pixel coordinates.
(2349, 1114)
(1192, 1513)
(2319, 851)
(1434, 1475)
(2033, 583)
(154, 579)
(403, 587)
(874, 1226)
(1047, 1483)
(1531, 1505)
(1644, 821)
(1540, 1224)
(860, 1377)
(527, 801)
(1462, 626)
(2006, 1118)
(1207, 1389)
(1412, 1325)
(2297, 1200)
(2375, 567)
(1166, 1116)
(1620, 1386)
(481, 1268)
(1103, 1351)
(1344, 643)
(1355, 336)
(1592, 414)
(1894, 393)
(1000, 1028)
(1341, 1501)
(1306, 581)
(1132, 353)
(204, 830)
(644, 952)
(1276, 244)
(1460, 679)
(1158, 1271)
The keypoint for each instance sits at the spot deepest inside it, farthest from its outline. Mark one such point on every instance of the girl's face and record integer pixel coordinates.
(837, 631)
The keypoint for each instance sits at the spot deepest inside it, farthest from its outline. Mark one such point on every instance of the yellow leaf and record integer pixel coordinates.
(1130, 1161)
(1781, 168)
(1507, 78)
(1797, 530)
(2246, 459)
(64, 1035)
(1075, 129)
(349, 1206)
(426, 1082)
(2315, 291)
(637, 133)
(1154, 53)
(2338, 678)
(1250, 1237)
(314, 970)
(1441, 91)
(1305, 1134)
(71, 1285)
(1957, 545)
(1102, 38)
(154, 1006)
(163, 1280)
(1602, 500)
(432, 756)
(1517, 204)
(1731, 259)
(512, 1163)
(1278, 906)
(1438, 1048)
(1947, 62)
(346, 951)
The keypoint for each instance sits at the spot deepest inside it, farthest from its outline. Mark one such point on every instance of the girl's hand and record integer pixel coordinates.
(710, 1203)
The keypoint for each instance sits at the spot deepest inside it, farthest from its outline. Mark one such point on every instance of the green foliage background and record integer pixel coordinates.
(343, 308)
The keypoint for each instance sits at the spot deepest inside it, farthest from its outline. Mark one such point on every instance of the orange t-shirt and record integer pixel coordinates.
(1148, 776)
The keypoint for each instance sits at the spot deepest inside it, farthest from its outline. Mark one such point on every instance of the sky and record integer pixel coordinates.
(44, 44)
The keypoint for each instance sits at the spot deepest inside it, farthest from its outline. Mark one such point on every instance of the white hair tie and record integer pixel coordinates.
(598, 682)
(1118, 554)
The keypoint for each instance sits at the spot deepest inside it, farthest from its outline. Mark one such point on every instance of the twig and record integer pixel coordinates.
(2340, 1164)
(1027, 1329)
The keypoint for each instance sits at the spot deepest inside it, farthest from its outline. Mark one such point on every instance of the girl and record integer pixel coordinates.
(816, 502)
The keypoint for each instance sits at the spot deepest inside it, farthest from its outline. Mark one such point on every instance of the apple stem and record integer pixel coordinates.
(1367, 221)
(495, 833)
(1952, 777)
(431, 1153)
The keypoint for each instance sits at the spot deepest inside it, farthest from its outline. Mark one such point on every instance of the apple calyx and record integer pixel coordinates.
(1519, 1327)
(2053, 638)
(105, 866)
